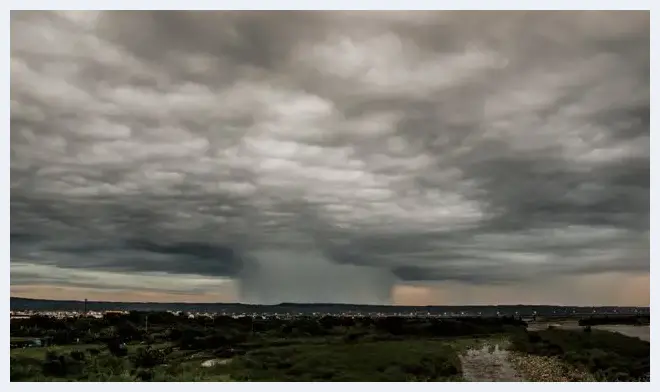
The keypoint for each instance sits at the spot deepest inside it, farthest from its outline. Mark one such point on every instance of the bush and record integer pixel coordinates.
(117, 348)
(353, 337)
(147, 358)
(24, 369)
(107, 368)
(145, 375)
(77, 355)
(60, 366)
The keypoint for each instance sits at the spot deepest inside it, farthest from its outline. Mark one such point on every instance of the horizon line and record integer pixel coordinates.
(324, 303)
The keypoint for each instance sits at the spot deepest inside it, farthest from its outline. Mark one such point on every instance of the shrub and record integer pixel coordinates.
(24, 369)
(104, 367)
(77, 355)
(147, 358)
(117, 348)
(145, 375)
(60, 366)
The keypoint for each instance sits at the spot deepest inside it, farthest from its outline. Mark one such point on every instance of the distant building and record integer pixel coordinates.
(114, 312)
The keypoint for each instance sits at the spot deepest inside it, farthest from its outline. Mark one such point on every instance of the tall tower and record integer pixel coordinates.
(85, 312)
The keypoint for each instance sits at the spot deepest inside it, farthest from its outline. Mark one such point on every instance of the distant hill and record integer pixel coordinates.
(18, 304)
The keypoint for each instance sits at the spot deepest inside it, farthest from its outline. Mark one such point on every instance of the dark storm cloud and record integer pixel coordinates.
(286, 148)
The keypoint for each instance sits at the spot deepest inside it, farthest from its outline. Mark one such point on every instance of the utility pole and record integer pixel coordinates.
(146, 323)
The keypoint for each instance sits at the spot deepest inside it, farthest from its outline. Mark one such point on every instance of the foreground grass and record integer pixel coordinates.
(549, 355)
(40, 352)
(415, 360)
(178, 366)
(365, 361)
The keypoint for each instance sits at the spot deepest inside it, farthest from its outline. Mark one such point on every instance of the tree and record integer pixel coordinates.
(127, 331)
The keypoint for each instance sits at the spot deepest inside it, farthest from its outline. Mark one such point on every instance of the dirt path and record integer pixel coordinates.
(488, 364)
(215, 361)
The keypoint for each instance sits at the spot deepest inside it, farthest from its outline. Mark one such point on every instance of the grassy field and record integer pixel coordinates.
(555, 354)
(40, 352)
(370, 361)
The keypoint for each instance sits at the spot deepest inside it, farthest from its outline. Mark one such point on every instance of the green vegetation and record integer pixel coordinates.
(168, 347)
(369, 361)
(373, 361)
(608, 356)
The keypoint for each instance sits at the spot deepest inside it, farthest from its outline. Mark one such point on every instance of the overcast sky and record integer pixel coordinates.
(378, 157)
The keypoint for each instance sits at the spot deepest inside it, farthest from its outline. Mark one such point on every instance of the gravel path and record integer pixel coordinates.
(547, 369)
(488, 364)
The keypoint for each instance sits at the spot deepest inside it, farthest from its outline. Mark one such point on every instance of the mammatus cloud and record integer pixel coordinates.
(326, 156)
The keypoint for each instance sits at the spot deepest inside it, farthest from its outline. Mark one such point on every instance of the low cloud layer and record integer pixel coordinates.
(328, 156)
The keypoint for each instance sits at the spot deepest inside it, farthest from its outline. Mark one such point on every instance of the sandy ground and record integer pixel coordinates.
(488, 364)
(493, 363)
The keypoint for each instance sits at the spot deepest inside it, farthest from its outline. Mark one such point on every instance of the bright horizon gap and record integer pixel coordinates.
(632, 290)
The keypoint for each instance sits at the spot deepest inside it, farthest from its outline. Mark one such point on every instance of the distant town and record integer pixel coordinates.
(25, 308)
